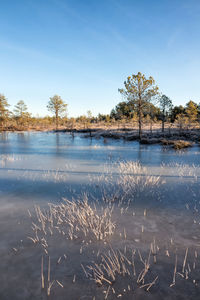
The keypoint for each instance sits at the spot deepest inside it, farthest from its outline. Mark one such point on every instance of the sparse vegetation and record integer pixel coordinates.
(74, 220)
(144, 115)
(108, 240)
(177, 144)
(120, 271)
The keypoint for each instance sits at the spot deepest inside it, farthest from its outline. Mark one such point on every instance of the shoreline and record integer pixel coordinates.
(172, 138)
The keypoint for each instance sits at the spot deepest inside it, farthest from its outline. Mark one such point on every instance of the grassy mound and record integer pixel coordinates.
(177, 144)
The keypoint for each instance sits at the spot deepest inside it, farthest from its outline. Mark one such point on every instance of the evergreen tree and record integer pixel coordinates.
(139, 91)
(177, 110)
(20, 109)
(191, 111)
(21, 112)
(165, 106)
(4, 112)
(57, 106)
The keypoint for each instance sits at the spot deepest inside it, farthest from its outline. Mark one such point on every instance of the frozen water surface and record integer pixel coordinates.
(129, 231)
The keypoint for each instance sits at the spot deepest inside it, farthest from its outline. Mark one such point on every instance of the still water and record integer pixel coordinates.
(41, 168)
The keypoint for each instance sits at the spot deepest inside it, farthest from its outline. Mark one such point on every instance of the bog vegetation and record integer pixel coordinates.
(142, 106)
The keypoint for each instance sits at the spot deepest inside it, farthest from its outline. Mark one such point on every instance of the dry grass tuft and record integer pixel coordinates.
(116, 267)
(72, 220)
(181, 144)
(135, 180)
(81, 217)
(123, 181)
(177, 144)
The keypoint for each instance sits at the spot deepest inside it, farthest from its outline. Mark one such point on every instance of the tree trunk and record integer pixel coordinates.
(163, 121)
(180, 128)
(163, 125)
(56, 120)
(140, 118)
(151, 126)
(169, 129)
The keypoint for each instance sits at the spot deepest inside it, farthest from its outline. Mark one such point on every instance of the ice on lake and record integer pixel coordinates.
(110, 219)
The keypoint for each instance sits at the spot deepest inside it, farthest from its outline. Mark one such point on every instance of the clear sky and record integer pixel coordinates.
(83, 50)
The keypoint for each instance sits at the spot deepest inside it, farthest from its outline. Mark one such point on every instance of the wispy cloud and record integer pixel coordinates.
(29, 52)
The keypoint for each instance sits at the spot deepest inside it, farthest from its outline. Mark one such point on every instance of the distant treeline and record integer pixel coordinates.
(142, 104)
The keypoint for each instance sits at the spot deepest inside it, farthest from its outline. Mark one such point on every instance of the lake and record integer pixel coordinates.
(85, 218)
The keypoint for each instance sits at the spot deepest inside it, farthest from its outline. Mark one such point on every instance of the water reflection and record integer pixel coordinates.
(64, 146)
(3, 136)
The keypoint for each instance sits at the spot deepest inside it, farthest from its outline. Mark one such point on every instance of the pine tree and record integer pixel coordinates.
(191, 111)
(57, 106)
(4, 112)
(139, 91)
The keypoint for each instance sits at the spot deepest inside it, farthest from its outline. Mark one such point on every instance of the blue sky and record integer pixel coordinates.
(83, 50)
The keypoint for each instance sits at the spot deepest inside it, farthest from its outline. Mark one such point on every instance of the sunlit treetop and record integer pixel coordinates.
(139, 88)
